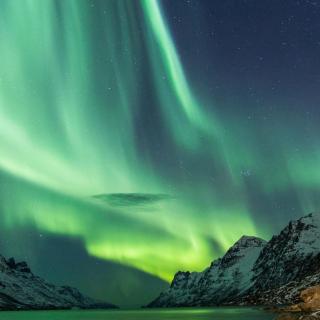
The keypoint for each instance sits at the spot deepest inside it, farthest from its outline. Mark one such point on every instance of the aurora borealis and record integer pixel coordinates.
(152, 134)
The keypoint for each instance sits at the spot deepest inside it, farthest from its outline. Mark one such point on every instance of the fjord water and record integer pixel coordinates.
(144, 314)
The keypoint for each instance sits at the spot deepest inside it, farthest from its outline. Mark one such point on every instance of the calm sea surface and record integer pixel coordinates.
(169, 314)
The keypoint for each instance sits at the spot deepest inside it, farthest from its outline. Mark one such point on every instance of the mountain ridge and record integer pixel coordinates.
(254, 271)
(20, 289)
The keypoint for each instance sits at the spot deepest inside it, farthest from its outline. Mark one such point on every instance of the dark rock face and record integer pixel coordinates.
(20, 266)
(254, 271)
(21, 289)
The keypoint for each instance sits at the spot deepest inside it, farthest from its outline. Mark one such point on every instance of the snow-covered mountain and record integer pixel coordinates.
(225, 278)
(254, 271)
(21, 289)
(289, 263)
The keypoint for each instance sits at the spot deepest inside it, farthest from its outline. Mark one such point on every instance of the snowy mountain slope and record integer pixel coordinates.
(21, 289)
(290, 261)
(226, 277)
(291, 255)
(254, 271)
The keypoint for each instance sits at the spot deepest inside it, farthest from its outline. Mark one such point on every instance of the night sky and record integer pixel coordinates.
(143, 137)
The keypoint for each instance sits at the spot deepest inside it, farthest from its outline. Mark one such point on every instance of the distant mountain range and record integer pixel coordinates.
(20, 289)
(254, 271)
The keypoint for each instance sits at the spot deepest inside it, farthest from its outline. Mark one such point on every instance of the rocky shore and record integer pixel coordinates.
(307, 309)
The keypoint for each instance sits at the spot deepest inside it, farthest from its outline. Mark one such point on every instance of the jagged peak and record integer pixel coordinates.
(21, 266)
(311, 218)
(249, 241)
(305, 223)
(180, 276)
